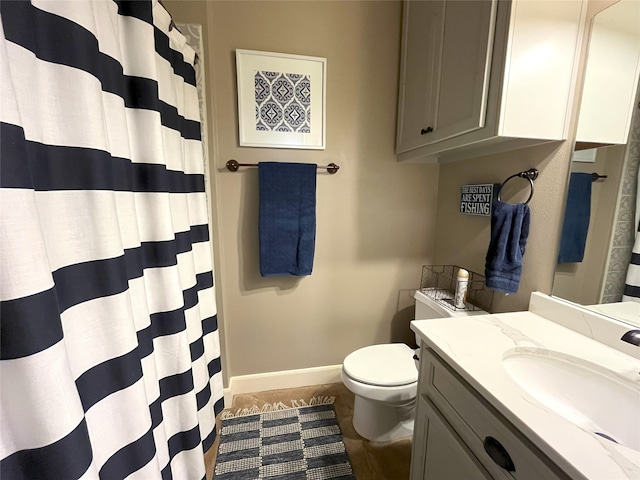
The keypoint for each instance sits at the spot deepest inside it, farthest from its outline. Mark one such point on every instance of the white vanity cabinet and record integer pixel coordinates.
(442, 453)
(458, 435)
(485, 74)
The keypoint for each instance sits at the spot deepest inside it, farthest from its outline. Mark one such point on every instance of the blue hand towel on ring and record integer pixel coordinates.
(287, 223)
(509, 232)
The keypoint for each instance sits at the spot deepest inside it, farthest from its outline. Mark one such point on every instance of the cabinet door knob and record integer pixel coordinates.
(498, 454)
(426, 130)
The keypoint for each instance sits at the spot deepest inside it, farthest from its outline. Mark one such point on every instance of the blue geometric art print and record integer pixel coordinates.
(283, 102)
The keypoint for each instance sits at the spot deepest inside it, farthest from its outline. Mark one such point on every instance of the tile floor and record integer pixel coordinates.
(370, 461)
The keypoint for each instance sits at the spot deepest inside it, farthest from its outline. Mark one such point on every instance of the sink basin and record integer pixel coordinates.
(592, 397)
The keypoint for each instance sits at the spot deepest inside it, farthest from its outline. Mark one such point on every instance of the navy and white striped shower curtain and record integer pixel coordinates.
(631, 291)
(110, 361)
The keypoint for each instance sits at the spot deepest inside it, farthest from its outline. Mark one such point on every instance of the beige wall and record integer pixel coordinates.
(463, 239)
(375, 218)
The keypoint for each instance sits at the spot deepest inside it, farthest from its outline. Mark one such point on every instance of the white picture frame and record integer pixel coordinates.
(281, 100)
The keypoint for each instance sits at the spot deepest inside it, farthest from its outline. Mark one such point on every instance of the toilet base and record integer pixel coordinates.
(383, 422)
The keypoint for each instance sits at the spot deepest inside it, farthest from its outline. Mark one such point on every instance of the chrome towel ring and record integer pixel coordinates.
(530, 175)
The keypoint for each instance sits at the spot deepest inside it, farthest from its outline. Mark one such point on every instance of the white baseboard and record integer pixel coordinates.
(261, 382)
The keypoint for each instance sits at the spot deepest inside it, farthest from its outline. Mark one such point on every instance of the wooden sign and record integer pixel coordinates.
(477, 199)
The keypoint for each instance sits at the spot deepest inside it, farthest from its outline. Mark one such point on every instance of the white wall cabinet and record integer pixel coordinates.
(611, 75)
(487, 75)
(446, 70)
(458, 435)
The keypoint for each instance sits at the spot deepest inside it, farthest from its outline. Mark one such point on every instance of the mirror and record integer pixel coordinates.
(608, 140)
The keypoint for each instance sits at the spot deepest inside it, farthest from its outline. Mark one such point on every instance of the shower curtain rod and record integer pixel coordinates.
(233, 166)
(173, 25)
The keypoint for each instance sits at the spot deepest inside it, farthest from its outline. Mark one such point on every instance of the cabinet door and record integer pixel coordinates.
(443, 454)
(423, 29)
(446, 64)
(465, 67)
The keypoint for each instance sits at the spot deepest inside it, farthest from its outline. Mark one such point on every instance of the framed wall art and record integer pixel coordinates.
(281, 100)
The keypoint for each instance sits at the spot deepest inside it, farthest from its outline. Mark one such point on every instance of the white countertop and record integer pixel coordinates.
(475, 346)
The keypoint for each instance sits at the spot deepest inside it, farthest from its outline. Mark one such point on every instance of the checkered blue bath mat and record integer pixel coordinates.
(295, 444)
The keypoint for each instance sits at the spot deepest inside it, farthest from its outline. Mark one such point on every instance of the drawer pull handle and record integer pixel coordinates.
(424, 131)
(498, 454)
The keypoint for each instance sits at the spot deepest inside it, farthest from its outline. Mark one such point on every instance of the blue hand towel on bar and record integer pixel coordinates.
(287, 224)
(509, 232)
(576, 219)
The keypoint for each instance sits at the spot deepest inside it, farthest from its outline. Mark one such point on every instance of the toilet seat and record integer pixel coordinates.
(388, 365)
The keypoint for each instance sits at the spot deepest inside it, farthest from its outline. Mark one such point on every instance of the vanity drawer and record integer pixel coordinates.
(478, 423)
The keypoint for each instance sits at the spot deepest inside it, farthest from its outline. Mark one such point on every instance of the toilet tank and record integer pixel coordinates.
(427, 308)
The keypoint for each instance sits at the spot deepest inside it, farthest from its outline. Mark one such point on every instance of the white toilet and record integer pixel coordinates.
(384, 380)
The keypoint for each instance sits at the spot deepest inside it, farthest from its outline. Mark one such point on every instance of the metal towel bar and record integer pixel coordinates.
(234, 165)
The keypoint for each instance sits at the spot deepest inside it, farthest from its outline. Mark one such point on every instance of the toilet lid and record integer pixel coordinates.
(386, 365)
